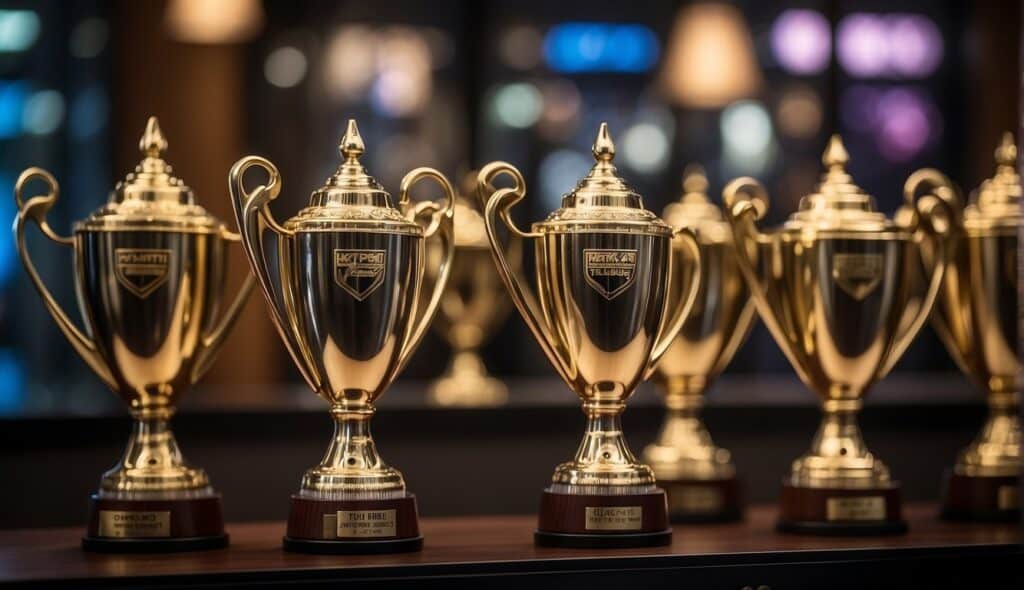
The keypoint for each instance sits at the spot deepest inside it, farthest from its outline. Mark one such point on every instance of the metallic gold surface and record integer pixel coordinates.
(716, 327)
(976, 311)
(604, 311)
(473, 306)
(840, 289)
(344, 294)
(150, 269)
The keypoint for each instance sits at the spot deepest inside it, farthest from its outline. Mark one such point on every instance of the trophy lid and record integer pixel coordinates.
(997, 201)
(470, 230)
(694, 210)
(837, 202)
(150, 198)
(351, 199)
(602, 200)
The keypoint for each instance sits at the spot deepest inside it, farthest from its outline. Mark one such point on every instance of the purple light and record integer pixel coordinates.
(859, 107)
(905, 124)
(863, 45)
(915, 45)
(802, 41)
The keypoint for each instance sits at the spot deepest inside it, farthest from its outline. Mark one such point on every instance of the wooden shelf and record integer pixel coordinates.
(498, 552)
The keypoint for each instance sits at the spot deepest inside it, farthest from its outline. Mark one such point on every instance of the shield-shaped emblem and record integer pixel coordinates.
(857, 274)
(141, 270)
(609, 272)
(359, 272)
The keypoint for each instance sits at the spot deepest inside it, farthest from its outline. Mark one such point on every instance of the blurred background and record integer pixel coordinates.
(743, 88)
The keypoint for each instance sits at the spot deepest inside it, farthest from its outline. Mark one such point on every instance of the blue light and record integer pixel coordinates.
(8, 257)
(12, 382)
(12, 104)
(578, 47)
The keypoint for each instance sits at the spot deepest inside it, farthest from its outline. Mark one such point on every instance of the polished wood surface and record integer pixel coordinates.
(502, 544)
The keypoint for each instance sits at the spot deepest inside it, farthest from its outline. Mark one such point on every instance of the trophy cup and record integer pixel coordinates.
(346, 302)
(698, 476)
(150, 267)
(603, 316)
(841, 289)
(473, 305)
(976, 317)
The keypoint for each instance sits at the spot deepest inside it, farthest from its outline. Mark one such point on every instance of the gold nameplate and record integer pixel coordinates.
(864, 508)
(694, 499)
(857, 274)
(348, 524)
(141, 270)
(609, 272)
(614, 518)
(125, 523)
(359, 272)
(1008, 498)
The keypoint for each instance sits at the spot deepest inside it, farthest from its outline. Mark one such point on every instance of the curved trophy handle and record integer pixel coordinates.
(252, 213)
(497, 204)
(672, 324)
(937, 214)
(215, 339)
(442, 226)
(746, 201)
(36, 209)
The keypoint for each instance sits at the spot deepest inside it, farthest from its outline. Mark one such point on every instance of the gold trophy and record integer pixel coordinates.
(346, 301)
(150, 268)
(604, 313)
(976, 317)
(841, 289)
(473, 306)
(698, 476)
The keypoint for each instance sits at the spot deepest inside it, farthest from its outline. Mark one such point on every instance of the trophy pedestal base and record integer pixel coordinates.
(353, 527)
(703, 500)
(981, 499)
(154, 526)
(603, 521)
(841, 511)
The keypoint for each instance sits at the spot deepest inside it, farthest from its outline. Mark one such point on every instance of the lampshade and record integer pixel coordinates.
(709, 60)
(213, 21)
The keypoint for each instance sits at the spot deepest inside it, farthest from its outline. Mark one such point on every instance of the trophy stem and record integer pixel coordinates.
(603, 464)
(351, 469)
(466, 383)
(996, 450)
(838, 456)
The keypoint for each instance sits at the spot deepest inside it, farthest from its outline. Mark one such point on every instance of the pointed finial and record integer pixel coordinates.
(695, 180)
(1006, 153)
(352, 143)
(152, 143)
(604, 149)
(835, 155)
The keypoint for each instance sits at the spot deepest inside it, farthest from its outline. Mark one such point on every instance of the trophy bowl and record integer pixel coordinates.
(345, 298)
(473, 306)
(840, 289)
(603, 316)
(976, 316)
(150, 268)
(698, 476)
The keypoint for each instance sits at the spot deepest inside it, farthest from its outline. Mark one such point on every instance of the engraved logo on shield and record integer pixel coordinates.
(857, 274)
(609, 272)
(359, 272)
(141, 270)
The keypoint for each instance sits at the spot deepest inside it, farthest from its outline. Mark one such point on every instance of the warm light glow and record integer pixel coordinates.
(710, 60)
(213, 21)
(799, 113)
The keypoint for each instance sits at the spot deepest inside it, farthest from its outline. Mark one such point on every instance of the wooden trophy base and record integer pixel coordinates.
(601, 521)
(353, 527)
(981, 499)
(703, 500)
(154, 526)
(840, 511)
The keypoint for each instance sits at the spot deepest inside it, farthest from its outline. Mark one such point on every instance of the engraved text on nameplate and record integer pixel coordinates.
(348, 524)
(1008, 498)
(614, 518)
(694, 499)
(129, 524)
(863, 508)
